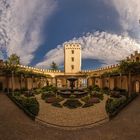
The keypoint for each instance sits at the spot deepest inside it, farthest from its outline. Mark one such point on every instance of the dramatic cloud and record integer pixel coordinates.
(106, 47)
(129, 12)
(20, 25)
(56, 55)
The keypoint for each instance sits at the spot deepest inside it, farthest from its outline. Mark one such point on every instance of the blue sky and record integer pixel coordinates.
(75, 18)
(107, 30)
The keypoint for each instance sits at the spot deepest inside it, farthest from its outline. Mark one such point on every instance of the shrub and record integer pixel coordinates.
(112, 104)
(72, 96)
(85, 99)
(57, 104)
(90, 88)
(96, 88)
(24, 89)
(94, 100)
(50, 88)
(59, 98)
(121, 91)
(29, 104)
(28, 93)
(16, 94)
(38, 91)
(93, 88)
(97, 94)
(47, 94)
(115, 94)
(88, 104)
(32, 105)
(53, 99)
(105, 90)
(72, 103)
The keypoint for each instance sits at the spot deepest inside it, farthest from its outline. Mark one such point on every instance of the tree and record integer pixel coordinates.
(129, 68)
(10, 64)
(54, 66)
(13, 59)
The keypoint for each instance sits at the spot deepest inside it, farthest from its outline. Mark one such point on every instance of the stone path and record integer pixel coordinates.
(15, 125)
(71, 117)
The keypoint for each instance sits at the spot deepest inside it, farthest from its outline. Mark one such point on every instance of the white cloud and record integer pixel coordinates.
(106, 47)
(129, 13)
(20, 25)
(55, 55)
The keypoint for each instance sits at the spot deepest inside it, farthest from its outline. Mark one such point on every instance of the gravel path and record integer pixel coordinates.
(71, 117)
(15, 125)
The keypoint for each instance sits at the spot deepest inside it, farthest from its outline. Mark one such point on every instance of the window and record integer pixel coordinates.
(72, 67)
(72, 59)
(72, 51)
(137, 59)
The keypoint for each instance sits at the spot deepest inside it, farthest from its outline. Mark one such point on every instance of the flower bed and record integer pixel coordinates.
(72, 103)
(115, 105)
(87, 104)
(29, 104)
(53, 99)
(47, 94)
(57, 104)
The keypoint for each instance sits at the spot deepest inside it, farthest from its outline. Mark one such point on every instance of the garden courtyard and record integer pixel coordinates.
(71, 117)
(15, 125)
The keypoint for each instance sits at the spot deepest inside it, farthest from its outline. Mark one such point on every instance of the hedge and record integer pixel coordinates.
(29, 105)
(115, 105)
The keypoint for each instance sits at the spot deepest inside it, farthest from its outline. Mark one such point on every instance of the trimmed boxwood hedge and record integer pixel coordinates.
(57, 104)
(72, 103)
(87, 104)
(28, 104)
(115, 105)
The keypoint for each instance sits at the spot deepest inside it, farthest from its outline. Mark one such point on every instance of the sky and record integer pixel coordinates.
(108, 30)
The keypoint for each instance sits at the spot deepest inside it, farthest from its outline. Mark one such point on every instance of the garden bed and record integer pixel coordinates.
(115, 105)
(29, 105)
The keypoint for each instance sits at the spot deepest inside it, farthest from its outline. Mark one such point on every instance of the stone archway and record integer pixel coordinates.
(136, 86)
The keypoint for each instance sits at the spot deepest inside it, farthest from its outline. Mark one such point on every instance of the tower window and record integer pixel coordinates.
(72, 67)
(72, 51)
(72, 59)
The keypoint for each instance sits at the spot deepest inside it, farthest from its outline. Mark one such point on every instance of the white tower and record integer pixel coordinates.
(72, 57)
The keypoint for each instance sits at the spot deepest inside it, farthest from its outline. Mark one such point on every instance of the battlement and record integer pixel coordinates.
(72, 46)
(110, 67)
(135, 57)
(37, 69)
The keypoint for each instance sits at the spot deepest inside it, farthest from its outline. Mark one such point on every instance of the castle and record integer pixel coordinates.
(72, 67)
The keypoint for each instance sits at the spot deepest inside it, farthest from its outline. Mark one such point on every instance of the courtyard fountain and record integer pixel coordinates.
(67, 92)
